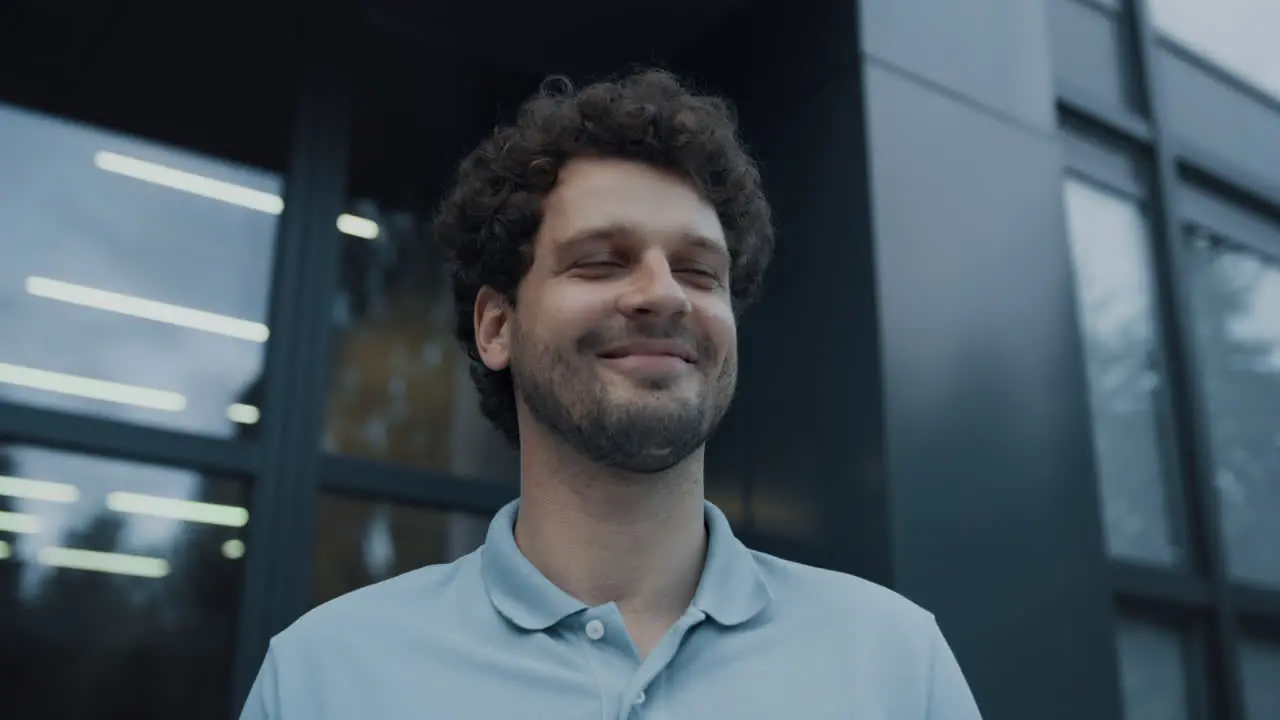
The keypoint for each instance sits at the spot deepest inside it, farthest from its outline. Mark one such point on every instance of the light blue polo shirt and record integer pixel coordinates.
(489, 637)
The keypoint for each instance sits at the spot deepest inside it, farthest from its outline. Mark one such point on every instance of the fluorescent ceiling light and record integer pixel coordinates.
(19, 522)
(189, 182)
(233, 549)
(29, 489)
(358, 226)
(174, 509)
(91, 388)
(105, 562)
(247, 197)
(6, 552)
(147, 309)
(243, 414)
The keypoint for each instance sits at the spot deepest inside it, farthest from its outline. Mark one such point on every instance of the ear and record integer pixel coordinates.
(493, 316)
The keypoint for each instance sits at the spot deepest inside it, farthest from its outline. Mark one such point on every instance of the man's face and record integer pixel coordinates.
(623, 340)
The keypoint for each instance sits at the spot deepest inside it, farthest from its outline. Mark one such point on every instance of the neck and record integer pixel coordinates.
(606, 536)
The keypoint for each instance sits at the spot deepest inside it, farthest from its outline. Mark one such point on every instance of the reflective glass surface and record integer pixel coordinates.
(118, 587)
(1239, 35)
(1235, 298)
(361, 541)
(1153, 672)
(135, 277)
(1108, 237)
(1260, 669)
(400, 390)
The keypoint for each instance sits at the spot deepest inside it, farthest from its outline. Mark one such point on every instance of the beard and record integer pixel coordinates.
(644, 434)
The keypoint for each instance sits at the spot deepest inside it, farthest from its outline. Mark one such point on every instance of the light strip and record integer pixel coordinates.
(233, 549)
(6, 551)
(207, 187)
(243, 414)
(357, 226)
(105, 562)
(91, 388)
(19, 522)
(189, 182)
(174, 509)
(29, 489)
(147, 309)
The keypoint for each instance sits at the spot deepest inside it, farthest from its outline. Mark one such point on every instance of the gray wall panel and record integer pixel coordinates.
(1229, 122)
(1092, 53)
(995, 512)
(990, 51)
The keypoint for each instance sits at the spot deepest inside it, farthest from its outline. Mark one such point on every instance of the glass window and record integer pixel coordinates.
(1153, 672)
(1108, 237)
(1260, 669)
(1239, 35)
(118, 587)
(400, 389)
(1235, 302)
(135, 277)
(362, 541)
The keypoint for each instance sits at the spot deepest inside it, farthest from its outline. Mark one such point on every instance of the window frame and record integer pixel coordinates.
(1206, 597)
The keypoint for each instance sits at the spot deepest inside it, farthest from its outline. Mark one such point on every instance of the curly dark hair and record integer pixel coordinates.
(486, 225)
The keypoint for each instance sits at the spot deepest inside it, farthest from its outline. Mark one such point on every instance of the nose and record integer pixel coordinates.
(654, 291)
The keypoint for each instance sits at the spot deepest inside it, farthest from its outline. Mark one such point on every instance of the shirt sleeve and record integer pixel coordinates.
(949, 694)
(264, 697)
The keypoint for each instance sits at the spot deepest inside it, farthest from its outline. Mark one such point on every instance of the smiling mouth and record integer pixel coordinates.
(638, 354)
(651, 348)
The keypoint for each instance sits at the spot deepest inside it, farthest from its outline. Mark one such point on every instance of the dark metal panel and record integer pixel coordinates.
(19, 423)
(1117, 165)
(1093, 50)
(1228, 120)
(996, 516)
(815, 441)
(1080, 104)
(1137, 582)
(1171, 94)
(1257, 604)
(993, 52)
(284, 497)
(402, 485)
(534, 36)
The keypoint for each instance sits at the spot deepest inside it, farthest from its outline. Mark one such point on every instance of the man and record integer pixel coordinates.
(602, 248)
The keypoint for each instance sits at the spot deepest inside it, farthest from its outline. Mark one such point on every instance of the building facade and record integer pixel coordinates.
(1018, 356)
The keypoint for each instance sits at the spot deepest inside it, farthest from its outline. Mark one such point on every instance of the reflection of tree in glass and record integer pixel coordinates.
(1236, 303)
(394, 388)
(1108, 243)
(103, 645)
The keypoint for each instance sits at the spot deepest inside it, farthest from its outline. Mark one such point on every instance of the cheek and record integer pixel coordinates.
(722, 330)
(565, 322)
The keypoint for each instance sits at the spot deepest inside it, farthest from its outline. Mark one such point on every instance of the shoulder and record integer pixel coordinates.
(846, 607)
(384, 610)
(793, 580)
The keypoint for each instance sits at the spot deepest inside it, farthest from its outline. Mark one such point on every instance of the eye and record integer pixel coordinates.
(598, 266)
(699, 271)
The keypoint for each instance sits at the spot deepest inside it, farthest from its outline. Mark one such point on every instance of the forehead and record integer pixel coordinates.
(592, 193)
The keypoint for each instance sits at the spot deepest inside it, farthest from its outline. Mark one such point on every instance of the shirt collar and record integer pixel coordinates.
(731, 590)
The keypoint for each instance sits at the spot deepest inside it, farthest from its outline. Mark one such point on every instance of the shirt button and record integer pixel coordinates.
(640, 698)
(595, 629)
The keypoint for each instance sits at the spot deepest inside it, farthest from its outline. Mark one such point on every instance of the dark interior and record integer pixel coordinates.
(222, 78)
